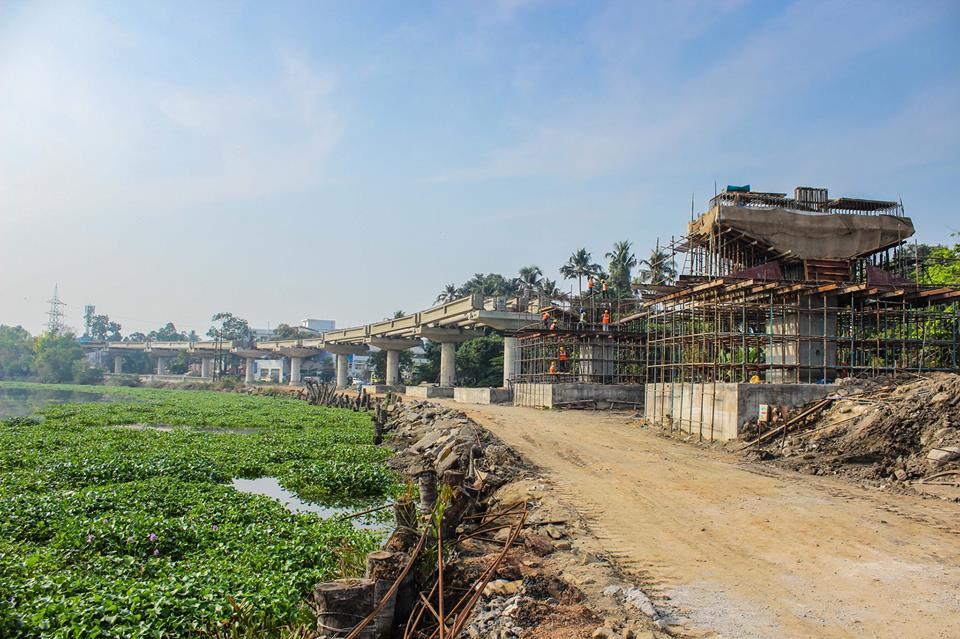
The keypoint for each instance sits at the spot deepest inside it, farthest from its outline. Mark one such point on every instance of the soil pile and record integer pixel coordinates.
(898, 430)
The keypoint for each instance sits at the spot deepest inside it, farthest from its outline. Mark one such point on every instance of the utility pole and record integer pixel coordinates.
(55, 314)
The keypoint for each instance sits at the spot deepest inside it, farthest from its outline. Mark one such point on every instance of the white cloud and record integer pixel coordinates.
(640, 119)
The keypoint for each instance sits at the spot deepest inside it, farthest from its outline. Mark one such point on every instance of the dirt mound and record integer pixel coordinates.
(898, 431)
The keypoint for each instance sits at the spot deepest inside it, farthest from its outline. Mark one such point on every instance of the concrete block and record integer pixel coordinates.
(429, 392)
(559, 395)
(483, 395)
(719, 411)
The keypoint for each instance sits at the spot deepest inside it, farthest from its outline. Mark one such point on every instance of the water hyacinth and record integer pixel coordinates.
(76, 473)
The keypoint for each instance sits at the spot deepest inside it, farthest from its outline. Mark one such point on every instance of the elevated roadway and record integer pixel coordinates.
(448, 324)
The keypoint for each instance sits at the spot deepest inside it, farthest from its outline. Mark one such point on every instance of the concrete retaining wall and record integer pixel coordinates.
(429, 392)
(558, 395)
(719, 411)
(483, 395)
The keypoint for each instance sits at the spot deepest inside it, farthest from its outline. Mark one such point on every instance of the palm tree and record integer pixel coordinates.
(450, 292)
(621, 261)
(658, 267)
(579, 266)
(529, 278)
(548, 288)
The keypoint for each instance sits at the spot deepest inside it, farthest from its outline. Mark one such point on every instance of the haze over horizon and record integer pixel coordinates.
(166, 161)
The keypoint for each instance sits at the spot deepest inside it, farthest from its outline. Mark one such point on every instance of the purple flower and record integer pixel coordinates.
(130, 539)
(156, 552)
(152, 537)
(215, 527)
(90, 538)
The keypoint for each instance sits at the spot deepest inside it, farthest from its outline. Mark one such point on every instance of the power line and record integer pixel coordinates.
(55, 314)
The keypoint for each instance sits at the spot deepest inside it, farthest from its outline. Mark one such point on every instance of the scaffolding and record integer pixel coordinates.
(573, 344)
(758, 302)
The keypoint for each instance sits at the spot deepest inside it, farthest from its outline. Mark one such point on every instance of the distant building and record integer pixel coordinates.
(318, 325)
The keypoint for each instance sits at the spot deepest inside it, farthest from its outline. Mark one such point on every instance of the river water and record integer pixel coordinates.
(21, 402)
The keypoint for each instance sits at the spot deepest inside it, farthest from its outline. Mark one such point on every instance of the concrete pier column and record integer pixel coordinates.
(295, 370)
(448, 364)
(283, 366)
(248, 373)
(161, 366)
(393, 368)
(511, 359)
(206, 367)
(118, 364)
(342, 370)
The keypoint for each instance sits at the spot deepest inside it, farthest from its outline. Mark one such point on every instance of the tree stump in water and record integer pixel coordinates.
(342, 604)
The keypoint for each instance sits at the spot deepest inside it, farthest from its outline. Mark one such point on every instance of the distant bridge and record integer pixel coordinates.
(447, 324)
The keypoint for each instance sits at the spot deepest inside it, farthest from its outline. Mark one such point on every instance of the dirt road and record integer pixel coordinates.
(740, 550)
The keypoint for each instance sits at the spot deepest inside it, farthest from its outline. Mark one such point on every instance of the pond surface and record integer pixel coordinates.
(270, 487)
(21, 402)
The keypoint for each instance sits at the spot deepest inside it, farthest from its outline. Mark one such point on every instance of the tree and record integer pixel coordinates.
(285, 331)
(490, 284)
(550, 290)
(449, 293)
(658, 268)
(136, 336)
(579, 266)
(621, 261)
(86, 373)
(56, 355)
(231, 328)
(943, 265)
(16, 352)
(102, 329)
(530, 278)
(167, 333)
(480, 362)
(428, 370)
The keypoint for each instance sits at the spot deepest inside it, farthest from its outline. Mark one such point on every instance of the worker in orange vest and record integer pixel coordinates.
(604, 288)
(553, 368)
(546, 319)
(590, 285)
(606, 320)
(563, 359)
(553, 325)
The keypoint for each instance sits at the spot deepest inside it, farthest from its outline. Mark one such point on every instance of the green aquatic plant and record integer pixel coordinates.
(110, 527)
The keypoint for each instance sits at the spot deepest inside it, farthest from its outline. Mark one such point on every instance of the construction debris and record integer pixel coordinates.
(889, 429)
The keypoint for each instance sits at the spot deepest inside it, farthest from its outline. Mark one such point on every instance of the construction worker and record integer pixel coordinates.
(553, 368)
(562, 356)
(553, 325)
(582, 321)
(545, 318)
(606, 320)
(589, 285)
(604, 288)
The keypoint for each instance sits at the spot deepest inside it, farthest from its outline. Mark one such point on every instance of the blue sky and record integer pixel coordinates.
(168, 160)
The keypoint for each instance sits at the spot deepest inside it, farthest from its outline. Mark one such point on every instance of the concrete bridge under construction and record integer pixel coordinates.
(447, 324)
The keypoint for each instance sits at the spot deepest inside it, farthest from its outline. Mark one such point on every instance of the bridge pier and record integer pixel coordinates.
(248, 372)
(448, 364)
(393, 368)
(342, 370)
(295, 363)
(161, 365)
(511, 359)
(118, 364)
(206, 364)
